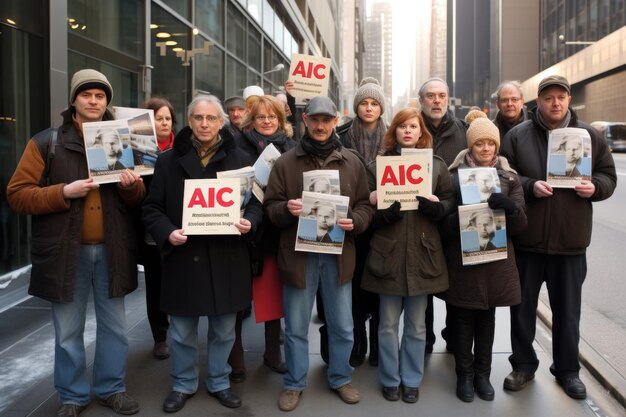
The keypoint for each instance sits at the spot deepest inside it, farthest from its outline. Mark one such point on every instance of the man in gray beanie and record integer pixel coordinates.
(73, 251)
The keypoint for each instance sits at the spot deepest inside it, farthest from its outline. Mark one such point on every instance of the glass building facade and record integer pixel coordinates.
(169, 48)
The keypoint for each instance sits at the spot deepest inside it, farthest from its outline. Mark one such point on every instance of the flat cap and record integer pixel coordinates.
(553, 80)
(234, 101)
(321, 105)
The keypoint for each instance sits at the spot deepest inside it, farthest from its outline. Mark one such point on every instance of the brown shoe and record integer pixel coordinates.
(289, 400)
(161, 350)
(348, 394)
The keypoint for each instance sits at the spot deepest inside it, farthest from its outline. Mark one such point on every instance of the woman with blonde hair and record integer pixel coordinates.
(265, 123)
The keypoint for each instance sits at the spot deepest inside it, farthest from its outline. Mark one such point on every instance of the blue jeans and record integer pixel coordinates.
(183, 334)
(322, 271)
(70, 367)
(404, 364)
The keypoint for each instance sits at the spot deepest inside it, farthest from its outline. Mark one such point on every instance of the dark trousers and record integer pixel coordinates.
(564, 276)
(472, 328)
(158, 320)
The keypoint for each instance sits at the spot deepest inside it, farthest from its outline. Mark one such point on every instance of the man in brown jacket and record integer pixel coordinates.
(74, 249)
(301, 272)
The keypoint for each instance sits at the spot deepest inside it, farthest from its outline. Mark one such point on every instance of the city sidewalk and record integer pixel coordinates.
(149, 382)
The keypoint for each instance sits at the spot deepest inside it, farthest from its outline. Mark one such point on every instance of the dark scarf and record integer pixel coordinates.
(319, 149)
(544, 124)
(205, 156)
(368, 145)
(278, 139)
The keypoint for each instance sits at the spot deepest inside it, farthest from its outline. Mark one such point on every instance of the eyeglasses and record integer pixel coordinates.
(200, 118)
(268, 118)
(513, 100)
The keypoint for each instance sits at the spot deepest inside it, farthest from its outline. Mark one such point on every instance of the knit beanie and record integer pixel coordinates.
(252, 90)
(89, 78)
(480, 127)
(369, 88)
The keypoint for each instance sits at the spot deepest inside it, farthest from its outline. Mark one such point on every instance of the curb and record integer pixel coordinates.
(595, 363)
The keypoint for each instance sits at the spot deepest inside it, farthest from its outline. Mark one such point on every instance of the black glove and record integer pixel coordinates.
(387, 216)
(431, 209)
(500, 201)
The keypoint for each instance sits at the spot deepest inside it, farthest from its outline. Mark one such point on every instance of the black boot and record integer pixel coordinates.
(465, 387)
(483, 342)
(483, 387)
(359, 349)
(373, 359)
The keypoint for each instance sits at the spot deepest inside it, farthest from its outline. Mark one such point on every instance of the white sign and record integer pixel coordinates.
(211, 206)
(310, 75)
(402, 178)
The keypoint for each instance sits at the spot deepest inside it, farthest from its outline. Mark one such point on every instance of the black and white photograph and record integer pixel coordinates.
(107, 149)
(569, 158)
(317, 226)
(477, 184)
(483, 234)
(322, 181)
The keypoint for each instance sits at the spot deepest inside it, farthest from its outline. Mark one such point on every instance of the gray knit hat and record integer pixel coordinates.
(89, 78)
(369, 88)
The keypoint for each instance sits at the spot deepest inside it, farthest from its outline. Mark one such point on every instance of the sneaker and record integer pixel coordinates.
(289, 400)
(121, 403)
(70, 410)
(348, 394)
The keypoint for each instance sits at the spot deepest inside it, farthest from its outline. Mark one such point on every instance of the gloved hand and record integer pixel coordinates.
(387, 216)
(431, 209)
(500, 201)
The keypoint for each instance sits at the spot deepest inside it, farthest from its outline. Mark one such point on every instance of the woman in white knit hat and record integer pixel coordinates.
(476, 290)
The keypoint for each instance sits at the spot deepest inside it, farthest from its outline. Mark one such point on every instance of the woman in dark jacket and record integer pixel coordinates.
(476, 290)
(265, 123)
(406, 263)
(203, 275)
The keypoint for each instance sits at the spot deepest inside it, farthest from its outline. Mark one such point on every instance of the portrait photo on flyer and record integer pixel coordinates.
(317, 226)
(477, 184)
(483, 234)
(569, 157)
(108, 150)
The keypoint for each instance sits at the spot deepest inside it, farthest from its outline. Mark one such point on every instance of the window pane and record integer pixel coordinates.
(254, 49)
(116, 24)
(278, 31)
(170, 78)
(179, 6)
(254, 8)
(235, 78)
(209, 71)
(209, 16)
(268, 19)
(236, 39)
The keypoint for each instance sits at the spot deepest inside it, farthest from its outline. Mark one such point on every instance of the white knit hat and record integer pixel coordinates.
(369, 88)
(252, 90)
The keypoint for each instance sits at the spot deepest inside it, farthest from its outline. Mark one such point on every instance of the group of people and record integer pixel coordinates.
(393, 261)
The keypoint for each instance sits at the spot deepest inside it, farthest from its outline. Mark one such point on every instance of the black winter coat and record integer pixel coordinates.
(560, 224)
(207, 275)
(449, 138)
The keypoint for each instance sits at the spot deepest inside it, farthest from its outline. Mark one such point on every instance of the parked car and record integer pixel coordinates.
(614, 133)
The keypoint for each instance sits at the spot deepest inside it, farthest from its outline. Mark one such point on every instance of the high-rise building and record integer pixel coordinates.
(378, 46)
(352, 33)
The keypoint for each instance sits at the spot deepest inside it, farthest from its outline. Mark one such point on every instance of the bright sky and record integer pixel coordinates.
(408, 15)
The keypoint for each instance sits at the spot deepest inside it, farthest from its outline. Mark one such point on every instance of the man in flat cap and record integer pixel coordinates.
(235, 107)
(552, 248)
(82, 239)
(302, 272)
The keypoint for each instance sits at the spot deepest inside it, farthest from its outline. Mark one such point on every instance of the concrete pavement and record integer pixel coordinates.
(149, 382)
